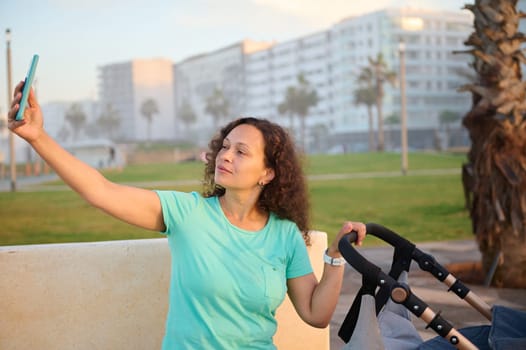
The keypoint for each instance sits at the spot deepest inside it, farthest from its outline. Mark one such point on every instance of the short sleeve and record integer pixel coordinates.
(299, 262)
(176, 206)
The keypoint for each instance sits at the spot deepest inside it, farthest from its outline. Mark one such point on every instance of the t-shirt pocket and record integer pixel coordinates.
(275, 282)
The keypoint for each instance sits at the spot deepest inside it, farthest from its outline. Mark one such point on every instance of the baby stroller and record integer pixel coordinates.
(379, 317)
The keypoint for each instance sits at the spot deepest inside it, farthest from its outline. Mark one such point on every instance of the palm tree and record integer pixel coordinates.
(186, 114)
(298, 100)
(3, 124)
(217, 106)
(366, 95)
(109, 120)
(445, 119)
(390, 121)
(320, 137)
(497, 128)
(306, 98)
(76, 118)
(64, 133)
(381, 74)
(288, 106)
(148, 109)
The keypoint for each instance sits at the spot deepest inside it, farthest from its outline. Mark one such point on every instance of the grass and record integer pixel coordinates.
(421, 208)
(380, 162)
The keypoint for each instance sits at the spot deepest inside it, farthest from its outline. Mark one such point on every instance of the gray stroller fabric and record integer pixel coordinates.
(392, 329)
(366, 334)
(398, 332)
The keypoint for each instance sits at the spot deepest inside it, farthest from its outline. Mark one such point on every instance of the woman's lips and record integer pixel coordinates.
(223, 169)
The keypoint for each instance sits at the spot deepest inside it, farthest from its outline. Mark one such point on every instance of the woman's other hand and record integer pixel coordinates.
(347, 227)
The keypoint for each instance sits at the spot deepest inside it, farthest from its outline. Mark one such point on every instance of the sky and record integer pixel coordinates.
(74, 37)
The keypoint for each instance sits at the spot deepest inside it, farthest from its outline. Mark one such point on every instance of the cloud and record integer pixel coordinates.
(240, 18)
(327, 12)
(322, 12)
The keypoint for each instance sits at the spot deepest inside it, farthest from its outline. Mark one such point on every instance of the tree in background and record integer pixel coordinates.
(186, 114)
(76, 118)
(109, 121)
(298, 100)
(64, 133)
(320, 136)
(445, 119)
(288, 106)
(217, 106)
(380, 75)
(149, 108)
(497, 128)
(366, 95)
(390, 121)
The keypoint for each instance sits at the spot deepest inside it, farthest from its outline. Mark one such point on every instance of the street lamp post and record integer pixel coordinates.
(403, 107)
(12, 156)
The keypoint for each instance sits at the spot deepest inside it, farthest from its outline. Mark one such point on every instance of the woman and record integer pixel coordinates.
(236, 249)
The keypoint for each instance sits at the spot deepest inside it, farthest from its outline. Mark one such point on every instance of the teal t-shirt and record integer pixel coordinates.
(226, 282)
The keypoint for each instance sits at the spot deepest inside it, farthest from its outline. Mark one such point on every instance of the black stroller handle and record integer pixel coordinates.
(386, 235)
(427, 263)
(399, 292)
(361, 264)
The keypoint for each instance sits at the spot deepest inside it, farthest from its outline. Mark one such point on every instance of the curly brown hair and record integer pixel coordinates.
(286, 195)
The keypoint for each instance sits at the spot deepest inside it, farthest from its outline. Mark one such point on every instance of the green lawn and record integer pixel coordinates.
(419, 207)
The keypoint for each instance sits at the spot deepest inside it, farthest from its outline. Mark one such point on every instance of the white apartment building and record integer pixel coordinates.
(254, 77)
(331, 61)
(432, 77)
(197, 77)
(270, 72)
(126, 86)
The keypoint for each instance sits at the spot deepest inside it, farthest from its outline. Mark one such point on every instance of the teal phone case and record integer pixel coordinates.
(27, 86)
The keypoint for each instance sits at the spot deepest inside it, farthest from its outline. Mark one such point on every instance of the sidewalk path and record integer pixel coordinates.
(36, 183)
(24, 183)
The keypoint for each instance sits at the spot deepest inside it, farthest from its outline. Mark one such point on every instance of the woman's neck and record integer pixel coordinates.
(243, 212)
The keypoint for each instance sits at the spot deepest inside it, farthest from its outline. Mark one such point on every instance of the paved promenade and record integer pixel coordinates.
(32, 183)
(459, 313)
(26, 183)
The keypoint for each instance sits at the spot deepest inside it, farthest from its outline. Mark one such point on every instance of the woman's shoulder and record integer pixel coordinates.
(178, 196)
(283, 223)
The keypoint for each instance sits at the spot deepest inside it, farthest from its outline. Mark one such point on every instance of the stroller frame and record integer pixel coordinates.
(389, 287)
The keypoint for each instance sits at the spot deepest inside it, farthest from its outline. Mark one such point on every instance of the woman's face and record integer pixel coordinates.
(240, 163)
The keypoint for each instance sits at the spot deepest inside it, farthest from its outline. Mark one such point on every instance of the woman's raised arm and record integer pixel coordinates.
(136, 206)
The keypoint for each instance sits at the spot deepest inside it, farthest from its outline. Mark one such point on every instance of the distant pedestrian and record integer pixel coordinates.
(111, 157)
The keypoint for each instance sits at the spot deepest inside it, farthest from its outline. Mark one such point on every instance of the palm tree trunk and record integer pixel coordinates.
(380, 124)
(149, 131)
(497, 129)
(371, 128)
(303, 145)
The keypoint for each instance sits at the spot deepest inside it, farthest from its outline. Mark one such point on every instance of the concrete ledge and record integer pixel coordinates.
(108, 295)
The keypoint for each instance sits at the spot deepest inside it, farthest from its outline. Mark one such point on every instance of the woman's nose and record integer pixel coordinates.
(226, 155)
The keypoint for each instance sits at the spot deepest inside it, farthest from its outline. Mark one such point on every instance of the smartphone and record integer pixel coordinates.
(27, 86)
